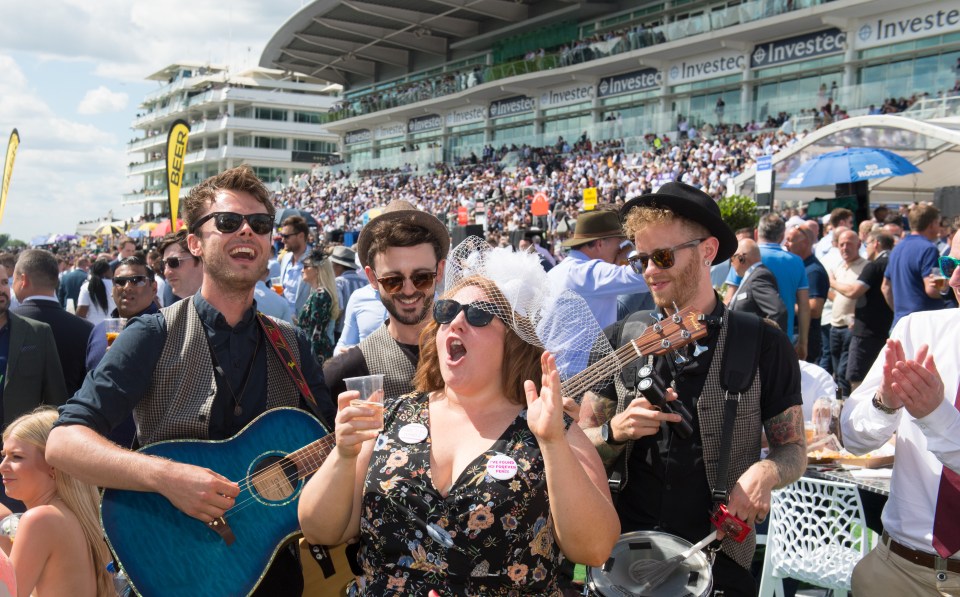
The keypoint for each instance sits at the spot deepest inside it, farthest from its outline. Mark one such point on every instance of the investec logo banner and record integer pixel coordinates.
(388, 131)
(466, 116)
(564, 96)
(707, 66)
(915, 22)
(423, 124)
(638, 80)
(801, 47)
(512, 106)
(358, 136)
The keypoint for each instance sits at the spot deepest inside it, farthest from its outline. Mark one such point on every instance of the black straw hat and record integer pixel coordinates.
(693, 204)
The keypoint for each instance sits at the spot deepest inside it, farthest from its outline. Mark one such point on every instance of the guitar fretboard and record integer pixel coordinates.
(309, 458)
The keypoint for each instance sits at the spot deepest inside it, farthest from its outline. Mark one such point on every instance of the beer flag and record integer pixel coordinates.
(8, 169)
(176, 154)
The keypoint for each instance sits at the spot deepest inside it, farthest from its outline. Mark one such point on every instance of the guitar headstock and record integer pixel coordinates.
(672, 332)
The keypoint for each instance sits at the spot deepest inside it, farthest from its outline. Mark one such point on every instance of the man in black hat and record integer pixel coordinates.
(402, 251)
(591, 270)
(668, 475)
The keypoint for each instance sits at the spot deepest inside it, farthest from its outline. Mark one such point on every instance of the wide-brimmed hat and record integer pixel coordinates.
(344, 256)
(398, 211)
(692, 204)
(594, 225)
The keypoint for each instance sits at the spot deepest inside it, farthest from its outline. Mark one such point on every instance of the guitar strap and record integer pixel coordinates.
(320, 553)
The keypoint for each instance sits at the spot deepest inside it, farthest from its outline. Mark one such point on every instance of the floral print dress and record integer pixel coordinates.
(314, 318)
(489, 536)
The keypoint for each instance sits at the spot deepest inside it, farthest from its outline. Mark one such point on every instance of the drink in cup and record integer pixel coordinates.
(939, 280)
(371, 396)
(277, 285)
(113, 325)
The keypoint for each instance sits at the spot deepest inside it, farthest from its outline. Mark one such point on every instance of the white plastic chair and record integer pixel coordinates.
(817, 534)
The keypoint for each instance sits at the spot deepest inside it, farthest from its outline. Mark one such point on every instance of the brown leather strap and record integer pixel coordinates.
(927, 560)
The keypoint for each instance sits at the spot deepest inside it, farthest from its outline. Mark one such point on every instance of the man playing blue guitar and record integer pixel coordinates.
(201, 369)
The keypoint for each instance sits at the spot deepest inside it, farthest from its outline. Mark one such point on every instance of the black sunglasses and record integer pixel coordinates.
(124, 281)
(174, 262)
(478, 313)
(228, 221)
(394, 284)
(948, 265)
(662, 258)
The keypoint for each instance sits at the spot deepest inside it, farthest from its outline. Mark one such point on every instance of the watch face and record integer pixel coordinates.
(605, 432)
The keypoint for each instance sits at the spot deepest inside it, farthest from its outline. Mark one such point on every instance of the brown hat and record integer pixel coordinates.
(399, 210)
(594, 225)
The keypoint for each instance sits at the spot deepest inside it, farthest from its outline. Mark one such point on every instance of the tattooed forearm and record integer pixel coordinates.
(595, 411)
(788, 449)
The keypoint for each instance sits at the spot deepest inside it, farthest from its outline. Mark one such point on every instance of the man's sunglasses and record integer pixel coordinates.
(227, 222)
(124, 281)
(286, 236)
(662, 258)
(174, 262)
(948, 265)
(478, 313)
(394, 284)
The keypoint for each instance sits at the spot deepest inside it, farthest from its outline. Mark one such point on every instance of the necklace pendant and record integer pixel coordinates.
(237, 411)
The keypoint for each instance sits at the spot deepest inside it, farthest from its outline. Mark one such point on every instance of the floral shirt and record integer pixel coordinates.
(489, 536)
(314, 318)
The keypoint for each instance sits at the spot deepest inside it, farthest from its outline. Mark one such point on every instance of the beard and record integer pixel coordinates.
(390, 303)
(682, 289)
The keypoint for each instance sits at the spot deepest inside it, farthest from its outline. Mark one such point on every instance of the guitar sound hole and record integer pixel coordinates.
(274, 478)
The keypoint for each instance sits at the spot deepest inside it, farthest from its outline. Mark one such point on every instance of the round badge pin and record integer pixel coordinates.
(502, 467)
(413, 433)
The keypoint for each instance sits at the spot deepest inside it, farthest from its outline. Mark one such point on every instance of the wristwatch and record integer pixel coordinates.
(879, 405)
(606, 434)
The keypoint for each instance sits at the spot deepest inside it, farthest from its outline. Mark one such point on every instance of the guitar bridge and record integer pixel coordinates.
(222, 528)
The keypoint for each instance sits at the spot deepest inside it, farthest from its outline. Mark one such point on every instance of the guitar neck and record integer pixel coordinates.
(309, 458)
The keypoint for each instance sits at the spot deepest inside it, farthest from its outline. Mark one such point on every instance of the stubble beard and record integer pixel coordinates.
(391, 305)
(683, 287)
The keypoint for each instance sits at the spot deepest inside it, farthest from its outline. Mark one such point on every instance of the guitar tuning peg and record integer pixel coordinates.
(698, 349)
(679, 359)
(656, 322)
(676, 314)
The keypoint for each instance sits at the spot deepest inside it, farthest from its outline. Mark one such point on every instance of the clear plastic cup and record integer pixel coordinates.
(371, 396)
(113, 327)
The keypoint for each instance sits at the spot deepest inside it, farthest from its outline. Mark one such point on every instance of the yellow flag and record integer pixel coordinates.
(589, 198)
(176, 156)
(8, 169)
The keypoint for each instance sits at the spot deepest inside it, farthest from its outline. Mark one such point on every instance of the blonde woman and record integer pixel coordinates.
(59, 548)
(320, 312)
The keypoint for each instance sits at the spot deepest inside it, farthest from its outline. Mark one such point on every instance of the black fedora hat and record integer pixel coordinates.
(693, 204)
(398, 211)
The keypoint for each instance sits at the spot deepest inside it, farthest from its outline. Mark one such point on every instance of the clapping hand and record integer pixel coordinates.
(545, 411)
(914, 384)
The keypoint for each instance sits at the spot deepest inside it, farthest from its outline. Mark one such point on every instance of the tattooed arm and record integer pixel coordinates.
(750, 497)
(595, 410)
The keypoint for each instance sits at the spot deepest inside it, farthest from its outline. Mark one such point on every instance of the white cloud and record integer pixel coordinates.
(101, 100)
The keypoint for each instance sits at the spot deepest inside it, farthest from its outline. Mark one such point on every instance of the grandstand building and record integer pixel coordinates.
(436, 79)
(265, 118)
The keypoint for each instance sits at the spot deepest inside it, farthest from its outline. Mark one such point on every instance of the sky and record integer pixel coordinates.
(72, 75)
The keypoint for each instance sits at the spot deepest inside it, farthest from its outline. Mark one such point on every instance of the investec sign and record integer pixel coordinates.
(638, 80)
(915, 22)
(388, 131)
(707, 66)
(564, 96)
(466, 116)
(801, 47)
(358, 136)
(512, 106)
(423, 124)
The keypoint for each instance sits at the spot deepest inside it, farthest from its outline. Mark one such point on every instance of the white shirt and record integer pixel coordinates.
(814, 383)
(598, 282)
(924, 445)
(95, 314)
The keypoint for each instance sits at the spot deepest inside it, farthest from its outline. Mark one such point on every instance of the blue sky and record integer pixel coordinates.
(71, 79)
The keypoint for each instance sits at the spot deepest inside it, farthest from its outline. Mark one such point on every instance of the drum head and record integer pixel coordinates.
(619, 578)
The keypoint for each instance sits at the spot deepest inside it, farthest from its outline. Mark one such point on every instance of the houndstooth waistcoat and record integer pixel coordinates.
(745, 446)
(383, 356)
(183, 387)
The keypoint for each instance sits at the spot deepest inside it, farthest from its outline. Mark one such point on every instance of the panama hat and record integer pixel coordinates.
(693, 204)
(344, 256)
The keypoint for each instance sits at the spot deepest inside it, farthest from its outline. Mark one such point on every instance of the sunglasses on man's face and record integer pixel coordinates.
(422, 281)
(228, 221)
(124, 281)
(175, 262)
(478, 313)
(948, 265)
(662, 258)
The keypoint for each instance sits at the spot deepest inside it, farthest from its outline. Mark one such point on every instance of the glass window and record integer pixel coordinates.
(308, 117)
(269, 143)
(269, 114)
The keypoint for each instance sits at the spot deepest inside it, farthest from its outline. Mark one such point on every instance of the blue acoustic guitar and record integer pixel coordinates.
(165, 552)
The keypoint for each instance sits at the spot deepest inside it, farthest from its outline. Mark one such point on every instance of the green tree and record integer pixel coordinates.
(738, 211)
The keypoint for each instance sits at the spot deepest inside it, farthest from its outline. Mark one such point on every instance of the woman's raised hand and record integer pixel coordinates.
(545, 412)
(355, 425)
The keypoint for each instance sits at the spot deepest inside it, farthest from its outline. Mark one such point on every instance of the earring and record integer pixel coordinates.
(706, 262)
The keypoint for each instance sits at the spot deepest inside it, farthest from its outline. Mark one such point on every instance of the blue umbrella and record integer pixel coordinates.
(849, 165)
